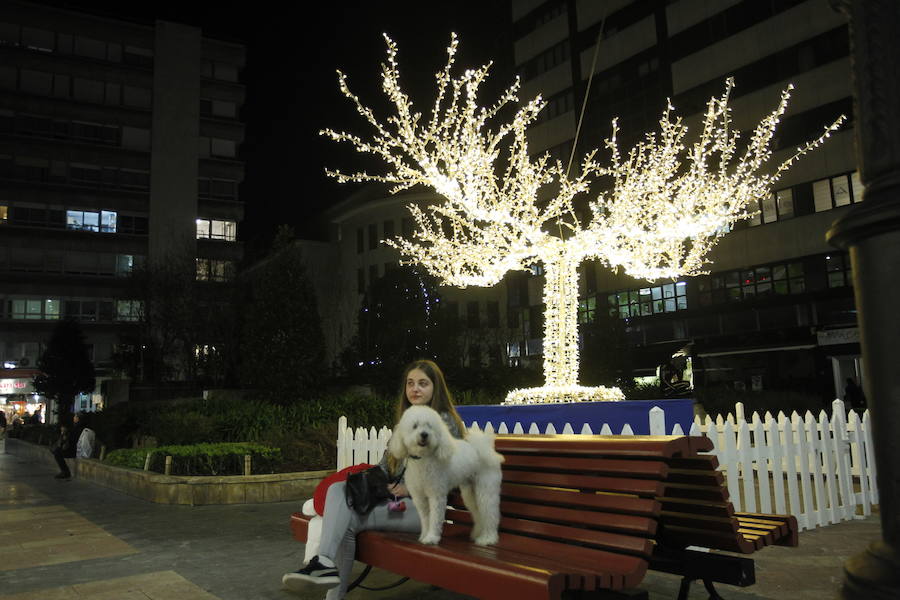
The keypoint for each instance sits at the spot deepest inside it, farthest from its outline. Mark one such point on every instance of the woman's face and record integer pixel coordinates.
(419, 388)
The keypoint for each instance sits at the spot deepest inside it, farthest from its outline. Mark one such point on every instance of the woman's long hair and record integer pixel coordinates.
(441, 399)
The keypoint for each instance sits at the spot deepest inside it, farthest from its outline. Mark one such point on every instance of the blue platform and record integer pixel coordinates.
(595, 414)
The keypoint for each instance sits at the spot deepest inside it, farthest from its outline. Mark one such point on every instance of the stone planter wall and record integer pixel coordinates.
(170, 489)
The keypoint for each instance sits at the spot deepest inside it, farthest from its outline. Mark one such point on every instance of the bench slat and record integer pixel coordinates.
(695, 477)
(628, 524)
(645, 446)
(652, 469)
(603, 540)
(639, 487)
(706, 493)
(628, 505)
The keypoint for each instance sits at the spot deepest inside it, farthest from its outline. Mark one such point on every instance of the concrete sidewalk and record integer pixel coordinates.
(68, 540)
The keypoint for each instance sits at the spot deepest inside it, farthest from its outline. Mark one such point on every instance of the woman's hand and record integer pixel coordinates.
(399, 490)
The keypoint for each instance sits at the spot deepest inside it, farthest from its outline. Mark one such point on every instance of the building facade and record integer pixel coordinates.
(118, 148)
(776, 310)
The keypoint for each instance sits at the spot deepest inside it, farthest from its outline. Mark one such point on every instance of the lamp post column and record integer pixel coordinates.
(871, 233)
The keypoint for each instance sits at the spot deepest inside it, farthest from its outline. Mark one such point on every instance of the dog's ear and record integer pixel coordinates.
(396, 446)
(444, 443)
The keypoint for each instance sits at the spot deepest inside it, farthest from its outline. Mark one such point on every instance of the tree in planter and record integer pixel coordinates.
(401, 319)
(282, 345)
(65, 367)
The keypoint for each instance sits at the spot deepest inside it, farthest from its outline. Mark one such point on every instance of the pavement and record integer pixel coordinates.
(75, 540)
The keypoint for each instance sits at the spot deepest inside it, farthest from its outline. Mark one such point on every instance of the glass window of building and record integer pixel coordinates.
(373, 236)
(223, 148)
(669, 297)
(837, 268)
(107, 221)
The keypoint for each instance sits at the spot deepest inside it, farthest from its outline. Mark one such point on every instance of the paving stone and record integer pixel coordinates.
(240, 551)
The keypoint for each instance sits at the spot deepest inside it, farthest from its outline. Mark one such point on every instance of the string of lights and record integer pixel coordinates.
(664, 207)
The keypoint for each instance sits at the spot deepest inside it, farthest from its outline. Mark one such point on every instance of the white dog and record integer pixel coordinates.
(437, 462)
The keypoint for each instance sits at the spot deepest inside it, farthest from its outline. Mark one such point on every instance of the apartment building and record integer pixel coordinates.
(118, 147)
(777, 308)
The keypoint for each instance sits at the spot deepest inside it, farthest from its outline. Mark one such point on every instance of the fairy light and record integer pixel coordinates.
(665, 206)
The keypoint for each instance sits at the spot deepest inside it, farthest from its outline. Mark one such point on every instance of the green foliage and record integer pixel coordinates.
(606, 354)
(400, 320)
(201, 459)
(643, 391)
(65, 367)
(42, 434)
(721, 400)
(282, 345)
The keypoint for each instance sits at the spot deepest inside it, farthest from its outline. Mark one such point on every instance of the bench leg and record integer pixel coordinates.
(685, 589)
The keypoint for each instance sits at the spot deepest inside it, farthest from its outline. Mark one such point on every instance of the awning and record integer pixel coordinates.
(756, 350)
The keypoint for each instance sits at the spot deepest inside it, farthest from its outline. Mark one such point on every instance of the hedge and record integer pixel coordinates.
(201, 459)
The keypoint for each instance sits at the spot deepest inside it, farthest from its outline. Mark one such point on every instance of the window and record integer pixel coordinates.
(360, 281)
(124, 264)
(669, 297)
(473, 318)
(34, 309)
(135, 138)
(216, 229)
(493, 314)
(373, 236)
(88, 90)
(838, 270)
(41, 40)
(142, 57)
(406, 228)
(837, 191)
(587, 309)
(129, 310)
(388, 229)
(209, 269)
(774, 207)
(360, 243)
(103, 221)
(765, 280)
(35, 82)
(136, 96)
(223, 148)
(90, 48)
(4, 214)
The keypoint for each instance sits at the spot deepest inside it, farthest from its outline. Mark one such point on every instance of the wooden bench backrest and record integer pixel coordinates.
(697, 511)
(591, 504)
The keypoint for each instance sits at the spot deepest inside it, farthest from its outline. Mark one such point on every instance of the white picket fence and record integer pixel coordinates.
(820, 470)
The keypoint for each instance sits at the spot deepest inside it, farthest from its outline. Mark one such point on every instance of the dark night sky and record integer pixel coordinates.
(292, 93)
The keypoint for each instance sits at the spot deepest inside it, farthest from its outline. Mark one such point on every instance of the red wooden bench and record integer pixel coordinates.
(582, 517)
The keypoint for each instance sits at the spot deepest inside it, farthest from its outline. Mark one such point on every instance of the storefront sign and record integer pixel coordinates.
(831, 337)
(15, 386)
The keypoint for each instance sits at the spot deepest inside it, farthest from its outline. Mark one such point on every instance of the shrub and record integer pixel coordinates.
(201, 459)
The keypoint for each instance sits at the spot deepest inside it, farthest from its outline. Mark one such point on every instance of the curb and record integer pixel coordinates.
(191, 491)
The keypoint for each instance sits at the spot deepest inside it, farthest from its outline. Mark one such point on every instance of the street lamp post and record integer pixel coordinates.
(871, 233)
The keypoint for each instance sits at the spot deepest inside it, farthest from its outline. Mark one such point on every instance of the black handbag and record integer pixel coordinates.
(367, 489)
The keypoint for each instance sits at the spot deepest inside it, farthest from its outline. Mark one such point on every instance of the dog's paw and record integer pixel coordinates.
(487, 539)
(429, 539)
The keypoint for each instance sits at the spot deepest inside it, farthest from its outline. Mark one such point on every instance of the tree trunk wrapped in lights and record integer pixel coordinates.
(665, 205)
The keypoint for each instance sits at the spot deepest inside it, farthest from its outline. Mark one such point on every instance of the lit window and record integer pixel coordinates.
(107, 221)
(4, 214)
(216, 230)
(129, 310)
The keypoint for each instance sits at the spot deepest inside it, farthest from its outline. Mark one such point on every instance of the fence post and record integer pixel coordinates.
(146, 461)
(246, 465)
(168, 470)
(657, 419)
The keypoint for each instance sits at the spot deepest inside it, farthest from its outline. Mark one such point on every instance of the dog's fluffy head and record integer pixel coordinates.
(421, 432)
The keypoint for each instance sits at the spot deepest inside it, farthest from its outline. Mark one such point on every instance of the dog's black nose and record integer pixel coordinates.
(424, 435)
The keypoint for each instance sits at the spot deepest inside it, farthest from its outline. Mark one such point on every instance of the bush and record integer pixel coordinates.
(721, 400)
(201, 459)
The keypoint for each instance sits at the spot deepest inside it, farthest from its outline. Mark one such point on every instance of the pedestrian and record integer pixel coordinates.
(65, 447)
(853, 395)
(423, 383)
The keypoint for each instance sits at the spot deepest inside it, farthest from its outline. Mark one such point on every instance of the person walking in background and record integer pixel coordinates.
(65, 446)
(853, 395)
(422, 384)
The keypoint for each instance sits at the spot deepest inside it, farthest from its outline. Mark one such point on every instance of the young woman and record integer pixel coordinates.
(422, 384)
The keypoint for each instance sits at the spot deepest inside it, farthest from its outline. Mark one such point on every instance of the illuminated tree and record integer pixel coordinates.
(664, 206)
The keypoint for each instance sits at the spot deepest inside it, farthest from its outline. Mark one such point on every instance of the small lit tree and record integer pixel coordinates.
(667, 203)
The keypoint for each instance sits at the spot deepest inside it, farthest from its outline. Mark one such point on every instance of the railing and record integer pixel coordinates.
(821, 470)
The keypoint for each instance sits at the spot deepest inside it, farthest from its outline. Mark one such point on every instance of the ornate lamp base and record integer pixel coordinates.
(550, 394)
(873, 574)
